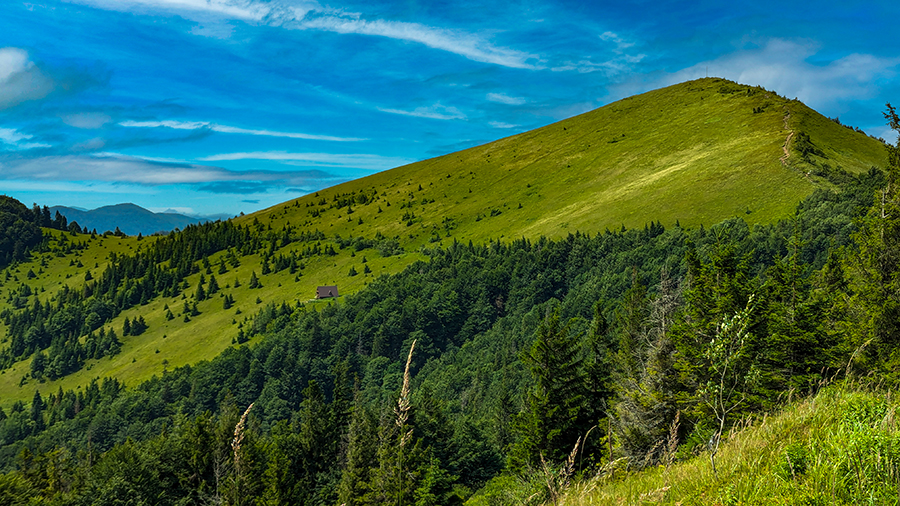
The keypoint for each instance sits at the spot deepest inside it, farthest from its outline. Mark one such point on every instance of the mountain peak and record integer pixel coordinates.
(127, 217)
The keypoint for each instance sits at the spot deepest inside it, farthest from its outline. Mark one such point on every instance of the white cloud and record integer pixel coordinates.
(464, 44)
(505, 99)
(312, 16)
(12, 138)
(436, 111)
(362, 161)
(621, 44)
(109, 169)
(12, 61)
(783, 66)
(159, 159)
(621, 64)
(31, 185)
(20, 79)
(621, 61)
(87, 120)
(500, 124)
(196, 125)
(239, 9)
(178, 125)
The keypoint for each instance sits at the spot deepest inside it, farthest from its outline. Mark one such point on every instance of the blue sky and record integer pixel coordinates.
(228, 106)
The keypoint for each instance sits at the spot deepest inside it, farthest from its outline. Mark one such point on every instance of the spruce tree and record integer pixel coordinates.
(797, 348)
(362, 445)
(37, 412)
(213, 286)
(555, 414)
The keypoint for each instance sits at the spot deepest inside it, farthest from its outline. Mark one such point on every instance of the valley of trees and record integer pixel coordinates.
(464, 373)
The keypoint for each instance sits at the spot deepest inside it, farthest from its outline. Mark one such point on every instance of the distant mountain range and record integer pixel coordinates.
(130, 218)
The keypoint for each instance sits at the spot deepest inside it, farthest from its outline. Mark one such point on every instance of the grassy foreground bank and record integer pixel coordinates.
(840, 446)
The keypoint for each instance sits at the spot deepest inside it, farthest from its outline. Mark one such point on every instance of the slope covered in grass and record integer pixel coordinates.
(695, 153)
(841, 446)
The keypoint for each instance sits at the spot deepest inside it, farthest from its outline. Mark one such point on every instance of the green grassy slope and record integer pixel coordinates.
(838, 447)
(694, 152)
(697, 152)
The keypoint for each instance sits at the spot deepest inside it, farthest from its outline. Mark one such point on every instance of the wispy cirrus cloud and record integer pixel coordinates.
(123, 169)
(360, 161)
(12, 138)
(459, 42)
(621, 43)
(109, 168)
(240, 9)
(214, 127)
(621, 61)
(313, 16)
(502, 98)
(436, 111)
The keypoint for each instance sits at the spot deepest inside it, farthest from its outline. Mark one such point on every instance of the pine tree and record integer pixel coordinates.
(362, 444)
(555, 414)
(254, 282)
(37, 412)
(213, 286)
(797, 349)
(138, 325)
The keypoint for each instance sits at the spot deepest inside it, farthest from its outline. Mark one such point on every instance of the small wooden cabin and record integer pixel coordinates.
(326, 292)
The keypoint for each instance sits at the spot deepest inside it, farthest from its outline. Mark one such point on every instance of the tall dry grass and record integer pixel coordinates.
(402, 413)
